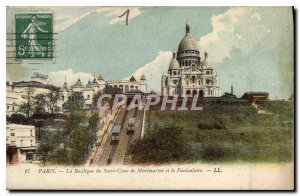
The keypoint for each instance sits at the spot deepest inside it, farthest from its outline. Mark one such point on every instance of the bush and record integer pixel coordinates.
(18, 119)
(213, 152)
(164, 145)
(210, 125)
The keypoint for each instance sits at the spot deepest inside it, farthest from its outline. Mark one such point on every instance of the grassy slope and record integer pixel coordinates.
(247, 136)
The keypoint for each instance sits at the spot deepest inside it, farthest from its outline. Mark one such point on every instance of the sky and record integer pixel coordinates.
(251, 48)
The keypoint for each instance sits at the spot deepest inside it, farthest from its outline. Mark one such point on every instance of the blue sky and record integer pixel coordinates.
(251, 48)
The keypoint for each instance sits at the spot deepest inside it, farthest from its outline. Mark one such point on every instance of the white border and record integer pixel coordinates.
(5, 3)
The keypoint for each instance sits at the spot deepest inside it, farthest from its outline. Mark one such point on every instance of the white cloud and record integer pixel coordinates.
(243, 28)
(58, 77)
(154, 70)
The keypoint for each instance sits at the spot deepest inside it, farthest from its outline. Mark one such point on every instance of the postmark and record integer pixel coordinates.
(34, 35)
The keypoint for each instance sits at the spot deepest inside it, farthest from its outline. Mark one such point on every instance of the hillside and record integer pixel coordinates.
(231, 133)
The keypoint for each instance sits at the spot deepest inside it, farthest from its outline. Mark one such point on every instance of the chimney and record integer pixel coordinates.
(231, 89)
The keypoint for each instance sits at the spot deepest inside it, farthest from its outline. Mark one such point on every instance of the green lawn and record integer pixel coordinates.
(242, 134)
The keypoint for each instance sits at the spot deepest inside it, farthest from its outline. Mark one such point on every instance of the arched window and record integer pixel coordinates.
(194, 92)
(126, 88)
(121, 87)
(88, 97)
(188, 92)
(207, 81)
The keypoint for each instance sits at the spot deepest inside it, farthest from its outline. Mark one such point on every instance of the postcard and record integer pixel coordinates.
(150, 98)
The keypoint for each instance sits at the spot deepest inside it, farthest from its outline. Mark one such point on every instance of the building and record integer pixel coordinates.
(188, 74)
(20, 143)
(78, 91)
(255, 96)
(130, 85)
(15, 91)
(81, 92)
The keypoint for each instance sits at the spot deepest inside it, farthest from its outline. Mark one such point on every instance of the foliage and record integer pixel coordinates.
(52, 98)
(107, 90)
(39, 102)
(71, 142)
(18, 119)
(164, 145)
(26, 107)
(232, 132)
(72, 105)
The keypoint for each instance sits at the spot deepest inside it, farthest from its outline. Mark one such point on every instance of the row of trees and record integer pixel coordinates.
(39, 103)
(69, 142)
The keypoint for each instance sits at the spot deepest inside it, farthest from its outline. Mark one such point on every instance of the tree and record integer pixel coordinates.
(107, 90)
(26, 107)
(52, 98)
(39, 103)
(18, 119)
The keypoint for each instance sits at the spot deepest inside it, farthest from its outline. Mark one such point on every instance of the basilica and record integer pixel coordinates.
(188, 74)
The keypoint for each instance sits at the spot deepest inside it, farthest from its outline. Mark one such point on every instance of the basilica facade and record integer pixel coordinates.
(188, 74)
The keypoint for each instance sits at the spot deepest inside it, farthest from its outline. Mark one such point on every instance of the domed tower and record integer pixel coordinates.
(188, 54)
(174, 77)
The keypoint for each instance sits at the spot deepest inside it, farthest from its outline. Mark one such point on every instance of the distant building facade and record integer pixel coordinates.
(75, 92)
(255, 96)
(131, 85)
(188, 74)
(16, 90)
(20, 143)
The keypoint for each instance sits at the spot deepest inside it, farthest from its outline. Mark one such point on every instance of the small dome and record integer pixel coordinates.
(174, 63)
(89, 84)
(94, 82)
(100, 77)
(143, 77)
(78, 83)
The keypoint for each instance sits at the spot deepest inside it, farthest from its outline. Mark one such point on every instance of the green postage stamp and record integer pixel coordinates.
(34, 35)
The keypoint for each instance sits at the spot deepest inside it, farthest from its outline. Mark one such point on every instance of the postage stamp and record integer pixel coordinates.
(34, 35)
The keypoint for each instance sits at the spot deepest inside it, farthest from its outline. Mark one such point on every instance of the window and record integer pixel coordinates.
(13, 108)
(63, 98)
(7, 107)
(31, 142)
(30, 132)
(174, 72)
(12, 134)
(193, 79)
(88, 96)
